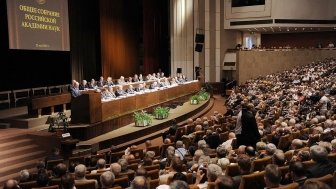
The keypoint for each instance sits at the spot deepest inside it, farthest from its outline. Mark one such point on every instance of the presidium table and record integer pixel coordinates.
(88, 108)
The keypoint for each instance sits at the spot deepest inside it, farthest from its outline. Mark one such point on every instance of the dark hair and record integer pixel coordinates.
(42, 178)
(273, 173)
(297, 168)
(224, 182)
(180, 176)
(244, 162)
(192, 150)
(67, 181)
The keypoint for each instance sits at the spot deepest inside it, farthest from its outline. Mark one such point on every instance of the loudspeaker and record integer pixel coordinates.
(179, 70)
(199, 38)
(199, 47)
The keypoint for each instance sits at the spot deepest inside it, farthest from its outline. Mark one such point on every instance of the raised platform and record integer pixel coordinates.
(130, 134)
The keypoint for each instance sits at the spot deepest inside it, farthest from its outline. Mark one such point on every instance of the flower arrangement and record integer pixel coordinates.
(58, 121)
(203, 95)
(142, 118)
(161, 112)
(194, 99)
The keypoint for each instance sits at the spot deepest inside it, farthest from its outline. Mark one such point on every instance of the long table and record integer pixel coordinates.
(88, 107)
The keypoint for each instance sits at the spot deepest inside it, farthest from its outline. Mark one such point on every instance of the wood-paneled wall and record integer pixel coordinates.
(119, 37)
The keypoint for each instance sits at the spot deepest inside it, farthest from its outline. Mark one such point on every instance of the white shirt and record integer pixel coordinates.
(238, 128)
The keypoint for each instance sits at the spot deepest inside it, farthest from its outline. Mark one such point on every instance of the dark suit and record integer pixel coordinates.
(120, 93)
(130, 91)
(250, 134)
(75, 92)
(321, 168)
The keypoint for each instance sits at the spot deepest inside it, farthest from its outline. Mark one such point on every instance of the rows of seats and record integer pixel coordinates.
(22, 95)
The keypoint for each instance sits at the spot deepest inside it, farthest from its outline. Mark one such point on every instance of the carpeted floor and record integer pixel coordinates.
(218, 106)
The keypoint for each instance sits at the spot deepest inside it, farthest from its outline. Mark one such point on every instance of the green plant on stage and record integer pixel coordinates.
(194, 99)
(58, 121)
(142, 118)
(161, 112)
(203, 95)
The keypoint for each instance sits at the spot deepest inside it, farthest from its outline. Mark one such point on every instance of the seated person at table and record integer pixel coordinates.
(148, 77)
(135, 78)
(154, 85)
(84, 85)
(101, 82)
(74, 90)
(130, 90)
(140, 88)
(130, 80)
(121, 80)
(107, 93)
(173, 81)
(140, 77)
(109, 81)
(93, 84)
(166, 82)
(120, 91)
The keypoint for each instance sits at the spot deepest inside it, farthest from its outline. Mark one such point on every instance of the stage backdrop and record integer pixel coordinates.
(38, 24)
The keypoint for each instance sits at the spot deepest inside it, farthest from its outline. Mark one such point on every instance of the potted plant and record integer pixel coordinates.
(142, 118)
(161, 112)
(203, 95)
(207, 87)
(58, 123)
(194, 99)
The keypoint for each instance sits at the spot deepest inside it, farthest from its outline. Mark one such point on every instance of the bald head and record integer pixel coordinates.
(139, 182)
(11, 184)
(115, 168)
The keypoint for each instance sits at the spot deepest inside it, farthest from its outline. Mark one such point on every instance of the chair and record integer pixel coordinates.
(154, 183)
(39, 91)
(189, 178)
(113, 157)
(20, 94)
(334, 180)
(122, 181)
(252, 181)
(52, 163)
(308, 163)
(138, 153)
(116, 187)
(153, 174)
(152, 167)
(260, 164)
(232, 170)
(193, 186)
(93, 176)
(211, 185)
(190, 128)
(312, 140)
(79, 160)
(155, 149)
(55, 89)
(133, 166)
(129, 174)
(47, 187)
(332, 157)
(224, 136)
(180, 131)
(131, 161)
(65, 88)
(164, 148)
(28, 185)
(55, 181)
(327, 179)
(91, 184)
(284, 170)
(284, 142)
(293, 185)
(5, 97)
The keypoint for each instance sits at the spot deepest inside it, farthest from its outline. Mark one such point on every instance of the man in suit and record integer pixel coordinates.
(246, 129)
(120, 91)
(74, 90)
(130, 90)
(140, 88)
(80, 171)
(323, 165)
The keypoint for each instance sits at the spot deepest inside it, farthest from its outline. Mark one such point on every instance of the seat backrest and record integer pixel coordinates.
(252, 181)
(5, 97)
(327, 179)
(55, 181)
(153, 183)
(28, 185)
(138, 153)
(152, 167)
(90, 184)
(232, 170)
(20, 94)
(55, 89)
(78, 160)
(332, 157)
(153, 174)
(193, 186)
(293, 185)
(180, 131)
(52, 163)
(122, 181)
(284, 143)
(211, 185)
(260, 164)
(39, 91)
(308, 163)
(155, 149)
(133, 166)
(164, 148)
(313, 139)
(48, 187)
